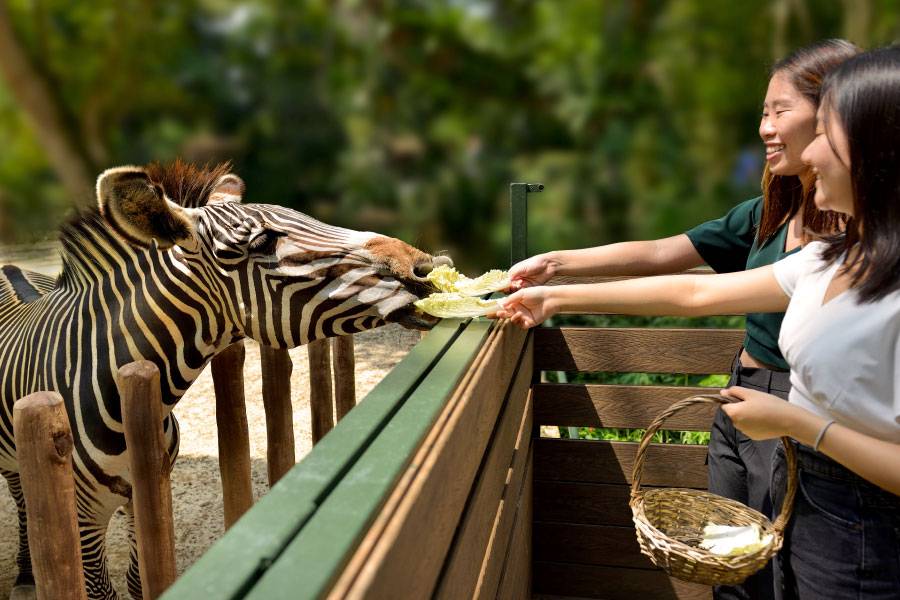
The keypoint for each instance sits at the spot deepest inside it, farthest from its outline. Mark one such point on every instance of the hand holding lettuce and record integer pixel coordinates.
(459, 295)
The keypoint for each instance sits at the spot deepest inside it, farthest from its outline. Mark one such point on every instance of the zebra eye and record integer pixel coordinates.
(265, 242)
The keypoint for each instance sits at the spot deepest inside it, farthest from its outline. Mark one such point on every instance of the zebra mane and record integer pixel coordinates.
(77, 235)
(187, 184)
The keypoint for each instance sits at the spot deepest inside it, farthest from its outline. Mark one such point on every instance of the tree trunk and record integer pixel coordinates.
(45, 112)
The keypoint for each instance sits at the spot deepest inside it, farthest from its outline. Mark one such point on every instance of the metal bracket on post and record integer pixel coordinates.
(518, 210)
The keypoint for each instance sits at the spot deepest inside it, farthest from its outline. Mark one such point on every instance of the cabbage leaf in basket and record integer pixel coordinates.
(450, 305)
(725, 540)
(447, 279)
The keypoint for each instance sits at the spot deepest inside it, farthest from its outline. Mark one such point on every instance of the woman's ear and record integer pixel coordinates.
(138, 210)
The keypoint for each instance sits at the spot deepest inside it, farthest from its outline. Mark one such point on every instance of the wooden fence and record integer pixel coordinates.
(584, 540)
(439, 485)
(44, 449)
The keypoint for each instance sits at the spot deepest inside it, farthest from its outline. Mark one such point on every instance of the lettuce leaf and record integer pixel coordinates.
(452, 305)
(449, 280)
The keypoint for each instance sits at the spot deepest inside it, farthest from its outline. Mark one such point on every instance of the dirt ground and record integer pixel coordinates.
(196, 487)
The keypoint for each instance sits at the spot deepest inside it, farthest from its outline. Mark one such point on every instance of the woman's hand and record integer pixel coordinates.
(760, 416)
(527, 307)
(531, 272)
(763, 416)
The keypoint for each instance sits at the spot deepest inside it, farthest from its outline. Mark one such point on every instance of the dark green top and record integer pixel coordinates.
(729, 244)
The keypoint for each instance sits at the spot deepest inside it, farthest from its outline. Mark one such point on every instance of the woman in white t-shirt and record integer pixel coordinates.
(840, 336)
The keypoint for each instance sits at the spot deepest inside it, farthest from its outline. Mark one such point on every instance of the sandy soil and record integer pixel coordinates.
(196, 487)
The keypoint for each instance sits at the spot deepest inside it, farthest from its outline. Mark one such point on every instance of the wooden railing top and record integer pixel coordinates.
(309, 523)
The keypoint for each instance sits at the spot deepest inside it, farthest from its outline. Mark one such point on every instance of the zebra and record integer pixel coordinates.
(172, 267)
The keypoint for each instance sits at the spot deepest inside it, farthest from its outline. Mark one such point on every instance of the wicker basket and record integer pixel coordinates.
(669, 522)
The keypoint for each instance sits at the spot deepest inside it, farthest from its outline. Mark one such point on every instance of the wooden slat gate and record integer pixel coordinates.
(584, 541)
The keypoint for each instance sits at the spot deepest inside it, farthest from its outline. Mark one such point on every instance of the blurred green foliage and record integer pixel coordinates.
(410, 117)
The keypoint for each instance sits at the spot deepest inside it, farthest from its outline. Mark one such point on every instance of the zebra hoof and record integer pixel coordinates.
(23, 592)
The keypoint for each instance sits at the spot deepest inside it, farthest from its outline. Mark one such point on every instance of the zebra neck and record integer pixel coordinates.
(162, 306)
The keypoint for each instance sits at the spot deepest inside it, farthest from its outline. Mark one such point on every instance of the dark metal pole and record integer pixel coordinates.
(518, 208)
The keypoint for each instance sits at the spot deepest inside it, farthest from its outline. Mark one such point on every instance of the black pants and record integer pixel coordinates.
(843, 539)
(741, 469)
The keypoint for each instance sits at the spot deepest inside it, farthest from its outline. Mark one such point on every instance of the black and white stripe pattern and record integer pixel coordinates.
(258, 271)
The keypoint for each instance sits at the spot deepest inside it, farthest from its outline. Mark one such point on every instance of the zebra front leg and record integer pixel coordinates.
(23, 588)
(133, 575)
(93, 549)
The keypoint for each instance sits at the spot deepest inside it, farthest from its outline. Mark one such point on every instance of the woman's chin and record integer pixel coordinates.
(821, 202)
(785, 168)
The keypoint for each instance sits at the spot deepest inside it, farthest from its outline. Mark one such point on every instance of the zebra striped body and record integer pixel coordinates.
(256, 271)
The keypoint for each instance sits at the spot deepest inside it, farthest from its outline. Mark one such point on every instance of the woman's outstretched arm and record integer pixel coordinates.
(677, 295)
(650, 257)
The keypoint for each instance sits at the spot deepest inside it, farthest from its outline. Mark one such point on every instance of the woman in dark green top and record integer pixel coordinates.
(757, 232)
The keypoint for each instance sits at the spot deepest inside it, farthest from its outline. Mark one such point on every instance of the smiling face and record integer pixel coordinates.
(787, 126)
(829, 157)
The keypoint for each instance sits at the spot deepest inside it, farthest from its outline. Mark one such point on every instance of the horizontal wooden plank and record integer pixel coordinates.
(604, 545)
(612, 583)
(668, 465)
(632, 406)
(591, 349)
(587, 503)
(582, 503)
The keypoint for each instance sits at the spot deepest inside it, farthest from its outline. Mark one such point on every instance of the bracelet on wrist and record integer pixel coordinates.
(822, 434)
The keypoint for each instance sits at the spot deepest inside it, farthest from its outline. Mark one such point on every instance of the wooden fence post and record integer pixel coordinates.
(142, 415)
(233, 432)
(44, 449)
(344, 375)
(320, 389)
(276, 389)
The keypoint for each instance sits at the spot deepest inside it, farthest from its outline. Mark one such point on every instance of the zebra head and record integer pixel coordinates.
(285, 278)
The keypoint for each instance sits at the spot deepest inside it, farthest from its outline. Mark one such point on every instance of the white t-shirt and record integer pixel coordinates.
(844, 356)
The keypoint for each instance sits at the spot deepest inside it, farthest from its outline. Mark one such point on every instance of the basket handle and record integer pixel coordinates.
(789, 453)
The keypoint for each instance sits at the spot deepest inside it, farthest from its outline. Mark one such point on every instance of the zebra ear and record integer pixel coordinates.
(138, 210)
(229, 188)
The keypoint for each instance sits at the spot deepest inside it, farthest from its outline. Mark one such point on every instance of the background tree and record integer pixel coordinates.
(411, 116)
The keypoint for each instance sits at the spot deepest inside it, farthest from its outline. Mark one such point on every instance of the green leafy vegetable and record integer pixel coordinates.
(449, 280)
(453, 305)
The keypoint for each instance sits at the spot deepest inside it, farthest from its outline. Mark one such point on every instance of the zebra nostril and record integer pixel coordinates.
(423, 268)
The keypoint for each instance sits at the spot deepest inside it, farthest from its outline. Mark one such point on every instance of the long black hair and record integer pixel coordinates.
(786, 195)
(864, 94)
